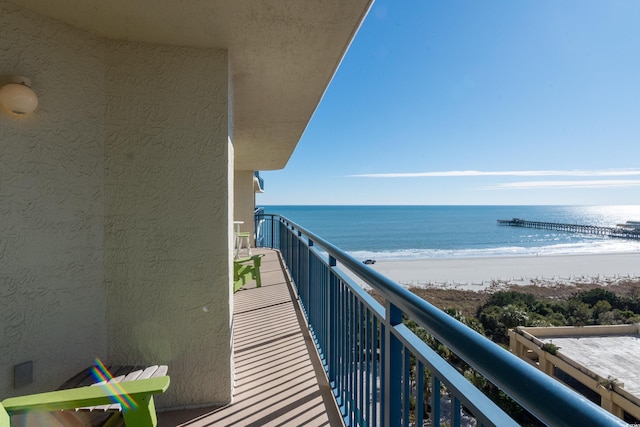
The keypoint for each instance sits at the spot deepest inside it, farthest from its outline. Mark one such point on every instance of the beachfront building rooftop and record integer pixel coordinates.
(601, 361)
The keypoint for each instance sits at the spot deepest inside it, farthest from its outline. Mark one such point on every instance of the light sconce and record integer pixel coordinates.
(17, 96)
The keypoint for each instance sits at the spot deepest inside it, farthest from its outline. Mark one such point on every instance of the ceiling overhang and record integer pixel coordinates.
(283, 54)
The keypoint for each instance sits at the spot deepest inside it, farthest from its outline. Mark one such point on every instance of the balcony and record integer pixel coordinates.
(110, 195)
(278, 376)
(313, 348)
(258, 182)
(379, 371)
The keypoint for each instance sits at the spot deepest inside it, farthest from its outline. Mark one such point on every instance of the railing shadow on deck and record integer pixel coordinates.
(279, 379)
(377, 367)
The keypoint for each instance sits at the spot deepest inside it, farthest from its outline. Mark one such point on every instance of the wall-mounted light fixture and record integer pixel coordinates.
(17, 96)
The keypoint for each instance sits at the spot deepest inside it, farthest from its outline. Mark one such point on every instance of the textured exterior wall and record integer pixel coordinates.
(167, 202)
(52, 302)
(115, 209)
(244, 200)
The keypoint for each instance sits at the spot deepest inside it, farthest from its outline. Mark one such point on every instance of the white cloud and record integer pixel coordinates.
(573, 172)
(532, 185)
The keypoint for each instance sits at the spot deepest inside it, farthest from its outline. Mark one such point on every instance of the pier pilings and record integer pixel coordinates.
(618, 232)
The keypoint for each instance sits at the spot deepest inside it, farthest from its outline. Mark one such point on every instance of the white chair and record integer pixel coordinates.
(242, 239)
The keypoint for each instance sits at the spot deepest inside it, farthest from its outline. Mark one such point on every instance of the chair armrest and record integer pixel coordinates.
(253, 258)
(138, 394)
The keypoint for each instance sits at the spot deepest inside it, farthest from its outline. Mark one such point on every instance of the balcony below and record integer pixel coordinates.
(278, 376)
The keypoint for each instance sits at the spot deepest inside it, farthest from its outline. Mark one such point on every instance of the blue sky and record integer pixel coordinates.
(466, 102)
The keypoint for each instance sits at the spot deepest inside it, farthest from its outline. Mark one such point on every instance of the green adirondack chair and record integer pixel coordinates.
(246, 269)
(138, 408)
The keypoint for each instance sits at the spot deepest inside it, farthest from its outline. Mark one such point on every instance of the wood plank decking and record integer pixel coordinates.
(278, 378)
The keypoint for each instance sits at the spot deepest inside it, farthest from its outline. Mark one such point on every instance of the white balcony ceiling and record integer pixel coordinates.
(283, 54)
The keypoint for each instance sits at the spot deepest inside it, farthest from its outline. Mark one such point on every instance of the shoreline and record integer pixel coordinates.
(484, 272)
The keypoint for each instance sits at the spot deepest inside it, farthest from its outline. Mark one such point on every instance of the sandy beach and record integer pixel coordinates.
(479, 273)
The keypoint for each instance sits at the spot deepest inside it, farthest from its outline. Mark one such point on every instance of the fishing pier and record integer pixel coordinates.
(629, 230)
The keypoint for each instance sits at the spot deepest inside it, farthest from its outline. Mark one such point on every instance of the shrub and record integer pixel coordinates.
(503, 298)
(550, 348)
(593, 296)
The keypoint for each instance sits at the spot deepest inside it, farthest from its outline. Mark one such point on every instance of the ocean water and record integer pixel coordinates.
(414, 232)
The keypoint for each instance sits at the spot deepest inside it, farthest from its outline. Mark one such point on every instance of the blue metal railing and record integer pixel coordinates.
(381, 372)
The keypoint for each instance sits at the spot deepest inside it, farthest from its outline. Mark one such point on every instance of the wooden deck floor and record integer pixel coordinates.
(278, 378)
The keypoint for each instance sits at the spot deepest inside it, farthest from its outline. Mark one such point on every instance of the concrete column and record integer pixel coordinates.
(546, 366)
(168, 208)
(245, 201)
(516, 345)
(606, 401)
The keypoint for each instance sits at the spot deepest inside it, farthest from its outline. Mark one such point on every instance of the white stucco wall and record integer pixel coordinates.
(244, 200)
(115, 210)
(168, 206)
(52, 301)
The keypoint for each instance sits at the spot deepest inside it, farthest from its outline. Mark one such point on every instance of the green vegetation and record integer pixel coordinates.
(609, 383)
(504, 310)
(507, 309)
(550, 348)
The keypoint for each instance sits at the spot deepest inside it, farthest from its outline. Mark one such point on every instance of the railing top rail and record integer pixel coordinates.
(549, 400)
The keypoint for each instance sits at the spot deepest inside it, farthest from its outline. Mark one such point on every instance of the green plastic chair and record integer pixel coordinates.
(140, 410)
(245, 270)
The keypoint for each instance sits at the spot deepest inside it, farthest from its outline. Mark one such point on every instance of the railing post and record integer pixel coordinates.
(273, 231)
(332, 350)
(311, 301)
(392, 367)
(301, 278)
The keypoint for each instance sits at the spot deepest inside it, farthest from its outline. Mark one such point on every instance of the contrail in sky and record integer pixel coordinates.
(527, 185)
(573, 172)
